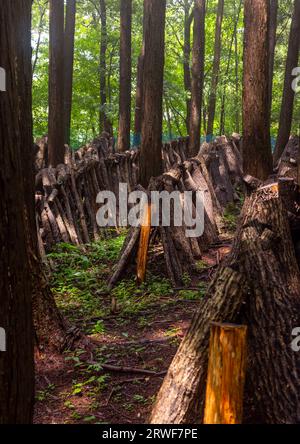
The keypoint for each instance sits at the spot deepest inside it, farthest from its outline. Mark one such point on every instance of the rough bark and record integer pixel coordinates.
(154, 36)
(216, 69)
(257, 154)
(68, 65)
(125, 76)
(258, 285)
(16, 364)
(197, 77)
(56, 126)
(286, 114)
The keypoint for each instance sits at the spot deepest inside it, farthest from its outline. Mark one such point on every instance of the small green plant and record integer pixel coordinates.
(43, 395)
(98, 328)
(140, 399)
(186, 279)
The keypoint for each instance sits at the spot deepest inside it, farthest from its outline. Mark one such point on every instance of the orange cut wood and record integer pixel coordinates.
(144, 245)
(226, 374)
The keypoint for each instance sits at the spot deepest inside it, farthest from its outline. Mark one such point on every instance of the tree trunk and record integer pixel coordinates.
(105, 124)
(69, 61)
(216, 69)
(16, 364)
(272, 45)
(125, 76)
(258, 285)
(139, 101)
(56, 126)
(50, 327)
(188, 19)
(257, 152)
(286, 114)
(154, 35)
(197, 77)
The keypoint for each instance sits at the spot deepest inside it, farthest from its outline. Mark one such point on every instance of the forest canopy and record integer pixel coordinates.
(86, 82)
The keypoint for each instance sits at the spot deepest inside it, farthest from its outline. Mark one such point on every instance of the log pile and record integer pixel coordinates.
(288, 163)
(258, 286)
(216, 171)
(66, 196)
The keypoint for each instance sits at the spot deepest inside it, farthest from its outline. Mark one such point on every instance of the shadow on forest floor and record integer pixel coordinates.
(141, 330)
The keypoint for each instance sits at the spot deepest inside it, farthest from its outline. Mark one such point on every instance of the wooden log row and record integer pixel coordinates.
(66, 196)
(180, 252)
(258, 285)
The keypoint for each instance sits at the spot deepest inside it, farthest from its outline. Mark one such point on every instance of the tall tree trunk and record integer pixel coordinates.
(188, 19)
(286, 114)
(257, 154)
(154, 35)
(68, 67)
(16, 364)
(197, 77)
(272, 45)
(56, 128)
(125, 76)
(51, 331)
(216, 69)
(139, 101)
(105, 124)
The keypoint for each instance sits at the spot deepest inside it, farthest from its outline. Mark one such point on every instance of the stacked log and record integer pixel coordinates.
(217, 163)
(258, 286)
(66, 196)
(288, 163)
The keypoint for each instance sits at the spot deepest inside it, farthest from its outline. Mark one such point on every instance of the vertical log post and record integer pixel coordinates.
(226, 374)
(144, 244)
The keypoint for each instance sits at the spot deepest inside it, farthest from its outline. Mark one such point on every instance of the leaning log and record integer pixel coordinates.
(259, 286)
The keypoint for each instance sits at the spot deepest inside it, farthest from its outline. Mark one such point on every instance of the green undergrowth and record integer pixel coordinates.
(79, 282)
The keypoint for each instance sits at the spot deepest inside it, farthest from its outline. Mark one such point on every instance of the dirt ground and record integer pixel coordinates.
(74, 388)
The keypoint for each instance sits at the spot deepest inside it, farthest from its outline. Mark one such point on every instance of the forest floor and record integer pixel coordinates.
(141, 329)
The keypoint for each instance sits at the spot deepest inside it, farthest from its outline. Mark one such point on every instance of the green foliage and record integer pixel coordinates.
(78, 277)
(79, 283)
(43, 395)
(133, 299)
(86, 89)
